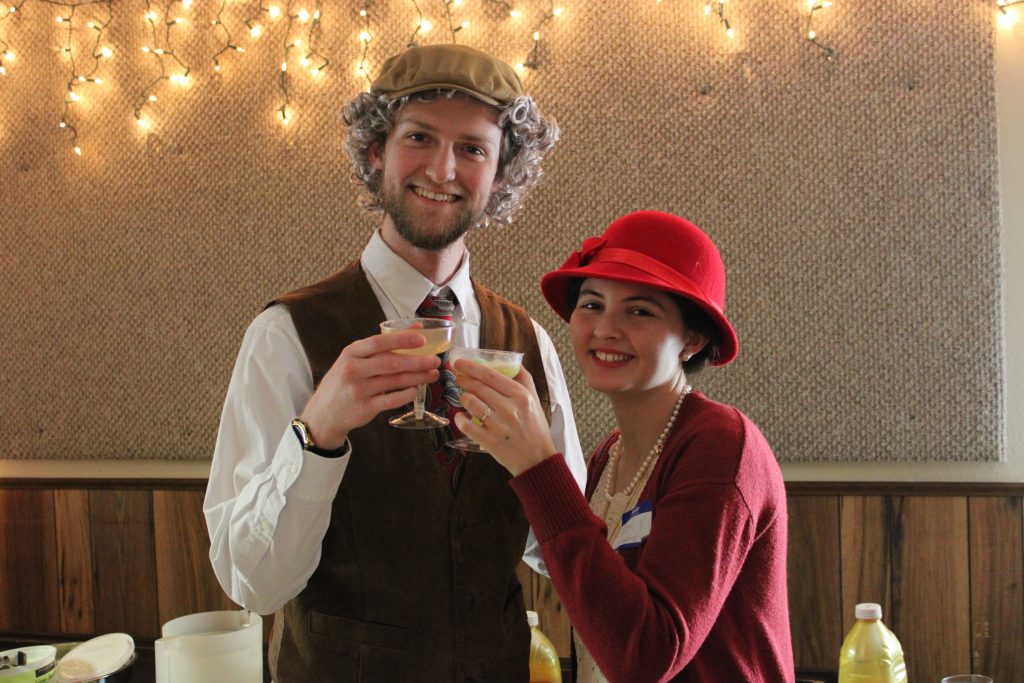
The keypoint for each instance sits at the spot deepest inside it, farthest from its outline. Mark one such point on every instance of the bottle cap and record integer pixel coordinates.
(868, 610)
(532, 619)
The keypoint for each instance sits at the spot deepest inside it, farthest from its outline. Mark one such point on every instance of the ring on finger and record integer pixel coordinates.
(487, 414)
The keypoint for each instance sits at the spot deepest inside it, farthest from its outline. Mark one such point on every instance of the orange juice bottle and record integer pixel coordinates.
(544, 664)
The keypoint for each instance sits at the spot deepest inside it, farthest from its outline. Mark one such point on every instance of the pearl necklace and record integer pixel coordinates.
(615, 452)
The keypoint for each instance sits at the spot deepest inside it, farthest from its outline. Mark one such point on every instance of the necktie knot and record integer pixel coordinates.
(440, 305)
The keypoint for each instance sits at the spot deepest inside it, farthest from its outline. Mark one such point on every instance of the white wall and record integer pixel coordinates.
(1010, 107)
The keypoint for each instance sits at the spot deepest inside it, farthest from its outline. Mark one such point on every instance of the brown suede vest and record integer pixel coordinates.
(416, 581)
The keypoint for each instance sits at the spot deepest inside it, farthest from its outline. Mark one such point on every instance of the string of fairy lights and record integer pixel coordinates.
(83, 26)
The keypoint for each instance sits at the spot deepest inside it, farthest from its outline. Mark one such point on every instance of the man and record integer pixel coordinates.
(387, 556)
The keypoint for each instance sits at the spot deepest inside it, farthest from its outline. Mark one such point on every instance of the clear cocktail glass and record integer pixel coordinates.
(505, 362)
(438, 333)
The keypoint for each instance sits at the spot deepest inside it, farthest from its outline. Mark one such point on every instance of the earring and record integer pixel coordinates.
(687, 356)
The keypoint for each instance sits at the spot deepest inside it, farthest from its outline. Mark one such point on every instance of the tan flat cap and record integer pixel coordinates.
(456, 67)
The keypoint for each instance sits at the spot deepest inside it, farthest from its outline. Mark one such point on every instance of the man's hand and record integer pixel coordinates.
(367, 378)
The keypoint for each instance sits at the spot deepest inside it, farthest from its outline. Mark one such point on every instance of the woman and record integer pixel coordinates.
(676, 568)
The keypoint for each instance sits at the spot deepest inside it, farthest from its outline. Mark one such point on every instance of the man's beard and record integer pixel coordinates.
(404, 223)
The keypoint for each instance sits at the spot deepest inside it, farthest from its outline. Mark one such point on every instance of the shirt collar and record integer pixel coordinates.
(405, 287)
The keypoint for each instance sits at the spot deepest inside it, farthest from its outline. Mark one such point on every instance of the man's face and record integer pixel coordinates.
(439, 164)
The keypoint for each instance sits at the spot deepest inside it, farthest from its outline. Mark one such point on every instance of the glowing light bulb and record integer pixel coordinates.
(186, 3)
(144, 124)
(151, 15)
(73, 96)
(159, 51)
(520, 67)
(3, 70)
(365, 37)
(284, 66)
(304, 61)
(256, 31)
(1007, 19)
(298, 42)
(152, 98)
(811, 34)
(558, 11)
(78, 150)
(457, 3)
(465, 24)
(97, 81)
(707, 8)
(180, 79)
(730, 32)
(303, 16)
(106, 52)
(316, 14)
(285, 119)
(9, 56)
(239, 49)
(179, 20)
(425, 26)
(91, 24)
(274, 11)
(536, 36)
(60, 20)
(515, 14)
(362, 13)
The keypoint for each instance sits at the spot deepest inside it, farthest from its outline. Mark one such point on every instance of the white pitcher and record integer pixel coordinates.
(211, 647)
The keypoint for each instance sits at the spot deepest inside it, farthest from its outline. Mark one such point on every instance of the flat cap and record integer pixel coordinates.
(442, 67)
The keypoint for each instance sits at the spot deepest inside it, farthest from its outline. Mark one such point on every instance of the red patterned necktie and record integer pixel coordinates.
(444, 396)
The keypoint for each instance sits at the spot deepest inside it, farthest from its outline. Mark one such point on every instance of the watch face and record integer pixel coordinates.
(300, 431)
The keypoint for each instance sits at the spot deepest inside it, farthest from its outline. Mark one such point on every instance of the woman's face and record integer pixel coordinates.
(629, 338)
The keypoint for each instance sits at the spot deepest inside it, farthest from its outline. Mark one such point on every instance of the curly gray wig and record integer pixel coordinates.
(526, 136)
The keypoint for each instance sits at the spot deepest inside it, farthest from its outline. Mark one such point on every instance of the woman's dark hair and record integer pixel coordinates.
(694, 318)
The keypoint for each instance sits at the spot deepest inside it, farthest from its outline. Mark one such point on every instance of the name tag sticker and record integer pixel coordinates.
(636, 526)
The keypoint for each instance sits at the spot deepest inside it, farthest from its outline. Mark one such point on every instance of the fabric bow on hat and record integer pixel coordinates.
(588, 249)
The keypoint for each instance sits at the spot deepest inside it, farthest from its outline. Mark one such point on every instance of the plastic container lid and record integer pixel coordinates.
(868, 610)
(532, 619)
(96, 658)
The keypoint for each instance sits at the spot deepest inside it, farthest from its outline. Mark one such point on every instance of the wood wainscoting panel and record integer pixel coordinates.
(815, 610)
(124, 560)
(931, 597)
(867, 555)
(997, 576)
(186, 583)
(29, 596)
(74, 561)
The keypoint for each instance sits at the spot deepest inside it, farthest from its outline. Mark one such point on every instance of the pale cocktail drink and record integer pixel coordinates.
(505, 362)
(438, 335)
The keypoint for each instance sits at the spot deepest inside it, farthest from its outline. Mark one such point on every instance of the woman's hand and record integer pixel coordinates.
(504, 416)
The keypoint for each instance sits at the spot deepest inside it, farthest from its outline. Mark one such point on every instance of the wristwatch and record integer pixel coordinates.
(301, 430)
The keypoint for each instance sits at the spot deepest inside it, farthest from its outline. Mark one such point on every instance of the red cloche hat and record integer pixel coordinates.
(653, 249)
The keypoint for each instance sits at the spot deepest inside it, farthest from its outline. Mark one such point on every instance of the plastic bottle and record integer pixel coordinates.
(544, 664)
(871, 653)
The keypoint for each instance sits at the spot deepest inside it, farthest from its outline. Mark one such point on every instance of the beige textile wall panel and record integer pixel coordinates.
(851, 199)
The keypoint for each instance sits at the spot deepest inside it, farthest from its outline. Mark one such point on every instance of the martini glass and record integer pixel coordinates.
(438, 333)
(505, 362)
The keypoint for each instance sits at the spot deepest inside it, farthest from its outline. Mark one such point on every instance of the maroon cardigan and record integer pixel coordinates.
(704, 597)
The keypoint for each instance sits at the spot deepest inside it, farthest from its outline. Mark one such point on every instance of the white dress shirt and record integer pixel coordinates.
(268, 502)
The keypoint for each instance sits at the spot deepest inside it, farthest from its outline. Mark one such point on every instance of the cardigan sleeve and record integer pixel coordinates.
(644, 624)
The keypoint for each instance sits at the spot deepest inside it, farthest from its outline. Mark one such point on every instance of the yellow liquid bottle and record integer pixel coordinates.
(544, 664)
(871, 653)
